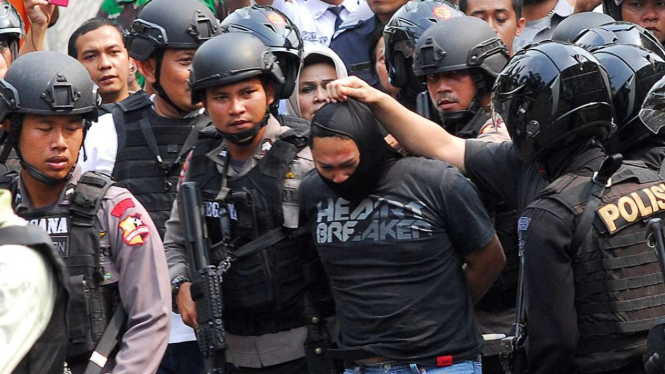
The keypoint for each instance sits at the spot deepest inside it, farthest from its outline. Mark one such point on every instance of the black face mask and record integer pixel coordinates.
(356, 121)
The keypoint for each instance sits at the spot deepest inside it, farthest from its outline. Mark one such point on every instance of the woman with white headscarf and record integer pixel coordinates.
(320, 66)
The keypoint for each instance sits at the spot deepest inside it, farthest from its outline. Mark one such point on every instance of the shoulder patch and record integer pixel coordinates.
(134, 231)
(523, 223)
(121, 207)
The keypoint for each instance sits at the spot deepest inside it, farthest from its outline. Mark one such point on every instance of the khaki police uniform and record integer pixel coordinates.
(132, 256)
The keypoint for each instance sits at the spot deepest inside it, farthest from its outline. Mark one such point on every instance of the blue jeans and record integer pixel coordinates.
(464, 367)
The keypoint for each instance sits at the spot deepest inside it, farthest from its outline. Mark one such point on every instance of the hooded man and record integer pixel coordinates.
(403, 227)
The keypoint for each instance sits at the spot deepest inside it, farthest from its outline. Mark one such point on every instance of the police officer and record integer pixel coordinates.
(401, 34)
(104, 235)
(34, 284)
(589, 302)
(248, 168)
(632, 72)
(460, 72)
(459, 85)
(648, 14)
(619, 33)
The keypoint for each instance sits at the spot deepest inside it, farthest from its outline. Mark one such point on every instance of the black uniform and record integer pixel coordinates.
(591, 307)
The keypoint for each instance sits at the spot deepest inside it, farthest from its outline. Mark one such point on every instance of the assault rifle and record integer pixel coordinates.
(513, 358)
(206, 281)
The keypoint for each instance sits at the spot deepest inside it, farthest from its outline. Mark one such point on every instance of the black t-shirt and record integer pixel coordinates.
(394, 260)
(498, 171)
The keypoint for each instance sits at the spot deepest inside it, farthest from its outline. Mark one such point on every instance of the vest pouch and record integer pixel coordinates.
(242, 210)
(80, 337)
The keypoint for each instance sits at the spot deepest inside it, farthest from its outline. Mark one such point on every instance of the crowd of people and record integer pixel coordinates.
(386, 186)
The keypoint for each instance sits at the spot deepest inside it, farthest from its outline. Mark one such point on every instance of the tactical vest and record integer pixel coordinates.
(47, 355)
(619, 291)
(76, 235)
(262, 292)
(150, 154)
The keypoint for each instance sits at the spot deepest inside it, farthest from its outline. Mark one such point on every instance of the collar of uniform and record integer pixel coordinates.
(218, 155)
(317, 8)
(24, 203)
(562, 9)
(587, 162)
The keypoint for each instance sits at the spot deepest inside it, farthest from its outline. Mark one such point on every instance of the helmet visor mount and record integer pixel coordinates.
(652, 113)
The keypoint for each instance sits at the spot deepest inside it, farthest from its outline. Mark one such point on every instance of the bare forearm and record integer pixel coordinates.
(34, 39)
(417, 134)
(484, 269)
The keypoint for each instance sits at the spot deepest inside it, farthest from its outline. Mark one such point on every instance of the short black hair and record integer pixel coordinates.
(88, 26)
(517, 7)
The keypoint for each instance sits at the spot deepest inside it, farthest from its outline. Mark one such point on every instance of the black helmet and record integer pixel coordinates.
(613, 9)
(480, 51)
(214, 66)
(553, 95)
(619, 33)
(653, 109)
(173, 24)
(573, 25)
(169, 24)
(61, 87)
(402, 33)
(632, 72)
(278, 33)
(11, 26)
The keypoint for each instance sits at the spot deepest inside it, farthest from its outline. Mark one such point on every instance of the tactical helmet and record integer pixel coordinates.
(613, 9)
(61, 87)
(573, 25)
(480, 51)
(619, 33)
(402, 33)
(172, 24)
(632, 72)
(553, 95)
(254, 59)
(278, 33)
(653, 109)
(11, 26)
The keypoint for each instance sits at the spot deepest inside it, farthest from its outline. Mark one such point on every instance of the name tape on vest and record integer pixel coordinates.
(57, 227)
(629, 208)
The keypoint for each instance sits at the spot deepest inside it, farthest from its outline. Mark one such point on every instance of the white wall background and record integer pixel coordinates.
(71, 17)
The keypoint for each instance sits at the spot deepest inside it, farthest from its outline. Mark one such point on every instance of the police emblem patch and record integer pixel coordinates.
(134, 231)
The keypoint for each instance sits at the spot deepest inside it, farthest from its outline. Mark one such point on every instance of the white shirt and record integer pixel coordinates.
(101, 144)
(315, 22)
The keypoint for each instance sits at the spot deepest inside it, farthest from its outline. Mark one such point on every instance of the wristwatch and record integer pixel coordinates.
(175, 287)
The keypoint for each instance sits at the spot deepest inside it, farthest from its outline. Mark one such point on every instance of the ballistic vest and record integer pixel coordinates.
(76, 235)
(619, 291)
(47, 355)
(150, 154)
(262, 292)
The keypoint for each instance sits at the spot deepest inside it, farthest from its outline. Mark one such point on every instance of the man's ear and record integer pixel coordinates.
(520, 26)
(5, 125)
(269, 87)
(148, 69)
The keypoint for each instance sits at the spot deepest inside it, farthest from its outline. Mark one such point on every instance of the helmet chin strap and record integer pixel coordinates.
(454, 120)
(12, 142)
(247, 137)
(159, 56)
